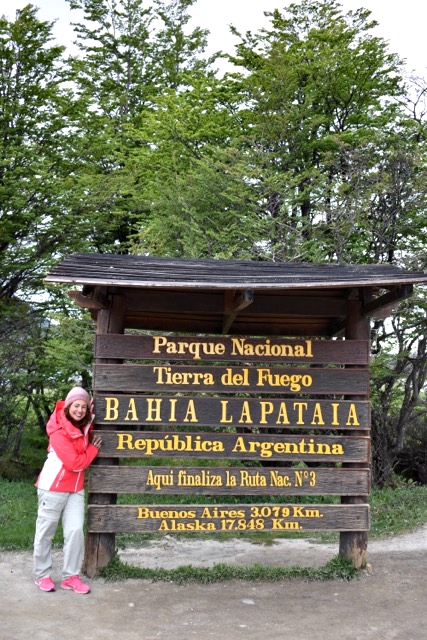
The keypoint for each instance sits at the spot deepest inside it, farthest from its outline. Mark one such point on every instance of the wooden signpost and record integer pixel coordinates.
(246, 404)
(228, 379)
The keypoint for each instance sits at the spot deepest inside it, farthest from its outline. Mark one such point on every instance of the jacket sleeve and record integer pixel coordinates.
(72, 459)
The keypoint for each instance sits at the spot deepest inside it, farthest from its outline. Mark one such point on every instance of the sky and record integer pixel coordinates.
(401, 24)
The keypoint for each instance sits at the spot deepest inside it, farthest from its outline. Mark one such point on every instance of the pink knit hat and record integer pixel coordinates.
(77, 393)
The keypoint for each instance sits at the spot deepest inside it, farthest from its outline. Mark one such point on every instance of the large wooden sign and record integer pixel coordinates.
(279, 417)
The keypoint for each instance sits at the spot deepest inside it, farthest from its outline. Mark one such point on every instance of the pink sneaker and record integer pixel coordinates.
(45, 584)
(75, 584)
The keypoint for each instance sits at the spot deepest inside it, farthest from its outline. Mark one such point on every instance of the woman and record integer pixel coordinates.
(60, 490)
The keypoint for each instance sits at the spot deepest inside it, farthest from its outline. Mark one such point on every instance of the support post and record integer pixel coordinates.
(354, 544)
(100, 547)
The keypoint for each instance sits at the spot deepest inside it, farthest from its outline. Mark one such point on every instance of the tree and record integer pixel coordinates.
(192, 177)
(177, 55)
(133, 54)
(114, 72)
(319, 88)
(42, 354)
(399, 374)
(38, 155)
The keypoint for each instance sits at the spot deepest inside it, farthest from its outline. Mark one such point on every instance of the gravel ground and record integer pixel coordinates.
(387, 601)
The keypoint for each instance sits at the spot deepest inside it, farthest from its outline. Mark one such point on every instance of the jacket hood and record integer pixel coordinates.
(58, 420)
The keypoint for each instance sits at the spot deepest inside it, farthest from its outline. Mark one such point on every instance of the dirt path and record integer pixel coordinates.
(386, 602)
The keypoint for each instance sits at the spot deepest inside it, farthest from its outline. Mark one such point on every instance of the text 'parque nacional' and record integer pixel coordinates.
(236, 347)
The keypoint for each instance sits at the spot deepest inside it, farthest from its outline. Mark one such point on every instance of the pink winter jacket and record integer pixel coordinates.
(69, 453)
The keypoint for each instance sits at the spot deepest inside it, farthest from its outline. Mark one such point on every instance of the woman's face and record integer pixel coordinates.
(78, 410)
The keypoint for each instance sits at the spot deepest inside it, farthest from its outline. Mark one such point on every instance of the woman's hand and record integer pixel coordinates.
(97, 441)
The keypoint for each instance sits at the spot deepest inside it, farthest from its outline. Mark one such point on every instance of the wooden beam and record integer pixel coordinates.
(354, 544)
(100, 547)
(89, 298)
(382, 306)
(234, 302)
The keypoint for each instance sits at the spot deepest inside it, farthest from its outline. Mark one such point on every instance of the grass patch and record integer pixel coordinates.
(11, 469)
(18, 509)
(18, 513)
(397, 510)
(336, 569)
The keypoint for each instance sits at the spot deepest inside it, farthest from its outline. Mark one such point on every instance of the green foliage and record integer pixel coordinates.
(39, 361)
(18, 511)
(39, 154)
(69, 351)
(310, 135)
(398, 369)
(191, 175)
(396, 510)
(133, 56)
(21, 332)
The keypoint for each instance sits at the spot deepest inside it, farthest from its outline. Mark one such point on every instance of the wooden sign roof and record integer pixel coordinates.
(230, 296)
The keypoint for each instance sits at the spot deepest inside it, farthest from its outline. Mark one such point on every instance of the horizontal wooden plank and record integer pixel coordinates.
(228, 481)
(237, 517)
(275, 304)
(195, 348)
(198, 378)
(233, 446)
(237, 412)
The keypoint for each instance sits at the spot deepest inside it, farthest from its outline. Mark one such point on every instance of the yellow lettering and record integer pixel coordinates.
(317, 414)
(111, 408)
(153, 409)
(191, 416)
(245, 416)
(299, 406)
(352, 416)
(337, 449)
(335, 407)
(124, 441)
(159, 341)
(266, 409)
(239, 447)
(224, 419)
(282, 416)
(172, 416)
(131, 412)
(237, 379)
(238, 344)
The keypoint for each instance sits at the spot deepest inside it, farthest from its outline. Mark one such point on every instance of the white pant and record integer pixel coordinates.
(53, 504)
